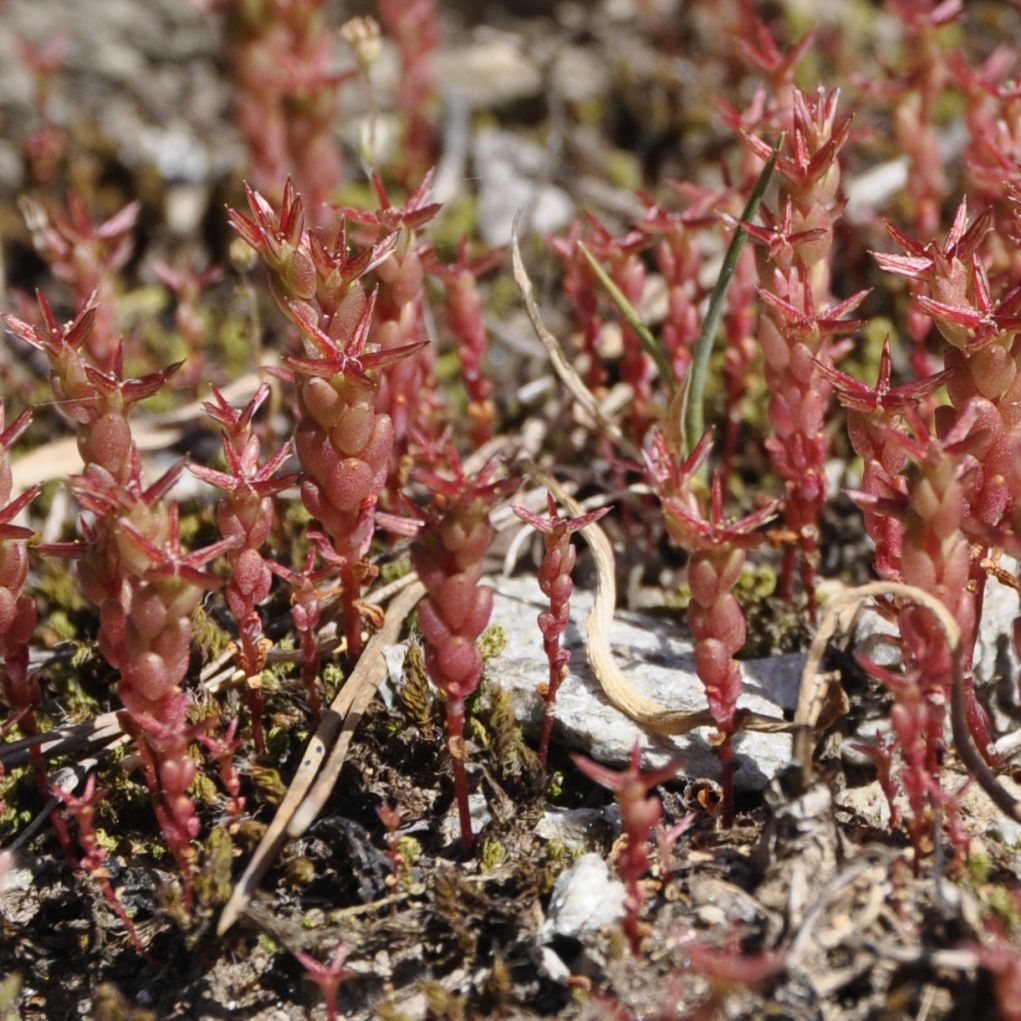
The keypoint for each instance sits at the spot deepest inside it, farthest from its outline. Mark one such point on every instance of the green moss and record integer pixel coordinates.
(110, 1004)
(442, 1004)
(296, 520)
(269, 787)
(203, 790)
(624, 170)
(411, 852)
(269, 944)
(863, 361)
(360, 195)
(212, 639)
(756, 584)
(1002, 902)
(106, 841)
(332, 677)
(236, 345)
(299, 872)
(554, 784)
(57, 582)
(512, 756)
(504, 296)
(60, 624)
(558, 856)
(15, 793)
(493, 855)
(416, 697)
(978, 866)
(493, 642)
(395, 569)
(315, 918)
(457, 220)
(773, 626)
(275, 674)
(213, 882)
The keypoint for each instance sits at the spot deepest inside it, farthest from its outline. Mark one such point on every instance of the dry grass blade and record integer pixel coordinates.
(568, 376)
(649, 714)
(310, 788)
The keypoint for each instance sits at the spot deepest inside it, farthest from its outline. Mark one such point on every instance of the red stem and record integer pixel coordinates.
(455, 742)
(726, 754)
(556, 676)
(350, 591)
(253, 701)
(547, 733)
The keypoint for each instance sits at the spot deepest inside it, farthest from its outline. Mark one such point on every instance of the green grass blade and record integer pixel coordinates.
(687, 422)
(630, 314)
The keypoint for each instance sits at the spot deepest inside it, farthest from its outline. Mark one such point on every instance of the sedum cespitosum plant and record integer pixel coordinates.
(448, 555)
(717, 547)
(344, 443)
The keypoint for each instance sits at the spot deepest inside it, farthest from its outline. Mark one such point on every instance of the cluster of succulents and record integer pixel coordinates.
(370, 442)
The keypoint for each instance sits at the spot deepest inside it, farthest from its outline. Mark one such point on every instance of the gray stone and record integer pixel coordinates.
(578, 827)
(478, 809)
(585, 899)
(510, 169)
(489, 72)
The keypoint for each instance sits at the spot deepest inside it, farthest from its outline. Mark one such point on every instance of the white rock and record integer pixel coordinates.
(488, 72)
(585, 898)
(657, 656)
(508, 167)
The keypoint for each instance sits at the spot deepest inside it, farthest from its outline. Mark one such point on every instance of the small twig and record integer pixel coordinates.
(68, 780)
(101, 730)
(309, 789)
